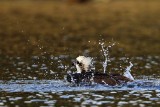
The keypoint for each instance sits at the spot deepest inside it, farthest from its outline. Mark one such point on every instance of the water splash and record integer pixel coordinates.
(127, 71)
(105, 51)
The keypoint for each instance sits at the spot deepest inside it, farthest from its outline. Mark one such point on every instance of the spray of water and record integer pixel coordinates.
(105, 51)
(127, 71)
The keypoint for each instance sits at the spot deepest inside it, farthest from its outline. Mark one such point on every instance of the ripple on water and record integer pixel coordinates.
(84, 98)
(61, 85)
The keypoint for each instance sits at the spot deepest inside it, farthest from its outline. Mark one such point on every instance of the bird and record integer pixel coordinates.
(86, 74)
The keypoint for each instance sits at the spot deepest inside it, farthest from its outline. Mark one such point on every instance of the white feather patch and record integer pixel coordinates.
(86, 61)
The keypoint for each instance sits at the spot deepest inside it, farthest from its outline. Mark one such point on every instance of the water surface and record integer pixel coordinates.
(39, 80)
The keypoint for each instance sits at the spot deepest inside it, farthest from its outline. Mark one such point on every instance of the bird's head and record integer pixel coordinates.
(83, 64)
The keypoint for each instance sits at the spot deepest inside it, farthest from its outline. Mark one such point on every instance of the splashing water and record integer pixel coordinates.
(105, 54)
(127, 71)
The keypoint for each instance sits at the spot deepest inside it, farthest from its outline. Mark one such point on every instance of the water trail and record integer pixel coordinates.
(127, 71)
(105, 54)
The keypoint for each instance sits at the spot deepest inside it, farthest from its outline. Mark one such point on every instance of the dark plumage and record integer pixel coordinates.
(100, 78)
(85, 74)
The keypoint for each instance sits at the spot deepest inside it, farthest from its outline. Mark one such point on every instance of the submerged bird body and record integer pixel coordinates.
(96, 77)
(85, 74)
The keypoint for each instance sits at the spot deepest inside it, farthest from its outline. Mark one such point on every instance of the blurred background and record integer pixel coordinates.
(40, 38)
(72, 27)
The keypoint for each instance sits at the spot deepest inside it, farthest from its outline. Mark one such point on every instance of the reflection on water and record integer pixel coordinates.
(39, 81)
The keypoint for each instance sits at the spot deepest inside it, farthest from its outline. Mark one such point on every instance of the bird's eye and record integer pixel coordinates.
(80, 64)
(77, 62)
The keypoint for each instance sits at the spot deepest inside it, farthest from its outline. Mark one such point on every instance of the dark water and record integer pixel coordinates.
(39, 81)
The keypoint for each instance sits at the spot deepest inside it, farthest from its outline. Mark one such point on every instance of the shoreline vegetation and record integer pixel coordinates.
(33, 27)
